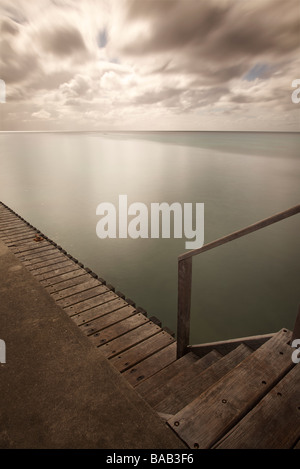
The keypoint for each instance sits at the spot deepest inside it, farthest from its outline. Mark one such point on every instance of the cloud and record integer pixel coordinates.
(176, 64)
(42, 114)
(63, 41)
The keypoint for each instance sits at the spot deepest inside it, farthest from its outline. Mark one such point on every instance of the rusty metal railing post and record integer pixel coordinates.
(184, 305)
(185, 275)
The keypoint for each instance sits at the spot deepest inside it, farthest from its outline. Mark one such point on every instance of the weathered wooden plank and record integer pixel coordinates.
(90, 303)
(53, 267)
(19, 238)
(159, 379)
(274, 423)
(158, 395)
(83, 295)
(30, 248)
(46, 251)
(17, 233)
(118, 329)
(151, 365)
(59, 287)
(57, 272)
(184, 305)
(17, 242)
(91, 327)
(142, 350)
(13, 224)
(128, 340)
(36, 266)
(61, 277)
(78, 288)
(227, 346)
(193, 381)
(96, 312)
(204, 421)
(44, 258)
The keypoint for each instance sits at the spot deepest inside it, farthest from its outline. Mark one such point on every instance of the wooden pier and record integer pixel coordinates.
(242, 393)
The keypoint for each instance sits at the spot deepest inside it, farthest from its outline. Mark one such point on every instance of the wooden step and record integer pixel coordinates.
(274, 423)
(210, 416)
(142, 349)
(108, 320)
(90, 316)
(184, 388)
(71, 282)
(151, 365)
(162, 392)
(160, 378)
(128, 340)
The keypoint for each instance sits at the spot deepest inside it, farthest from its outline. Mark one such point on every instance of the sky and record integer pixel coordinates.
(88, 65)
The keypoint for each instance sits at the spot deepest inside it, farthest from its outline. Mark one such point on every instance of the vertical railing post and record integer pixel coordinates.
(184, 305)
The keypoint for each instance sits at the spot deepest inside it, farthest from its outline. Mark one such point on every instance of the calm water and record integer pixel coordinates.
(250, 286)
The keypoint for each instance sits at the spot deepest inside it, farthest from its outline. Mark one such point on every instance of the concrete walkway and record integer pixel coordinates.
(57, 390)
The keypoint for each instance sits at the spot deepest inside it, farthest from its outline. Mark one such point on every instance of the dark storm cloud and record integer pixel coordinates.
(214, 29)
(63, 41)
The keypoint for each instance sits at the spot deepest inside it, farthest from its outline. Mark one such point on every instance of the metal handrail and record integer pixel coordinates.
(185, 274)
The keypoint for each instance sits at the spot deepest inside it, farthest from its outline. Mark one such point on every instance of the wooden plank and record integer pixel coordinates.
(151, 365)
(90, 303)
(142, 350)
(158, 395)
(44, 258)
(62, 277)
(226, 346)
(13, 224)
(128, 340)
(16, 230)
(16, 234)
(56, 272)
(274, 423)
(77, 288)
(193, 381)
(46, 263)
(184, 305)
(30, 248)
(53, 267)
(59, 287)
(118, 329)
(93, 313)
(204, 421)
(18, 241)
(47, 251)
(82, 295)
(107, 320)
(160, 378)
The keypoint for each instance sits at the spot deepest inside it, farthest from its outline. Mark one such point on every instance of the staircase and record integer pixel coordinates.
(244, 399)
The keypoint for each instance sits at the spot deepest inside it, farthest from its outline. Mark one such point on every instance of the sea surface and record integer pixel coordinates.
(247, 287)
